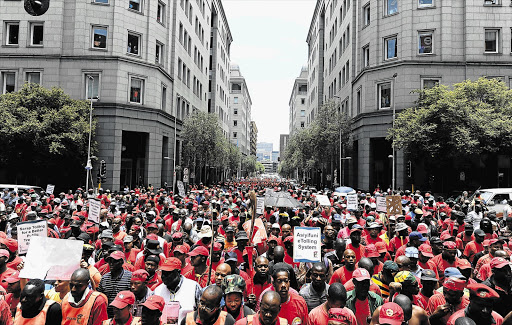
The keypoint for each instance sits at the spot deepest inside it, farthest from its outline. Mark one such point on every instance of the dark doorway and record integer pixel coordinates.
(380, 163)
(134, 159)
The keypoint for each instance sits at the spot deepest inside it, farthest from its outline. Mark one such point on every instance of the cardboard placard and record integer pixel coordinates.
(381, 204)
(52, 259)
(29, 229)
(352, 202)
(260, 234)
(323, 200)
(94, 210)
(260, 205)
(181, 188)
(393, 204)
(50, 188)
(307, 243)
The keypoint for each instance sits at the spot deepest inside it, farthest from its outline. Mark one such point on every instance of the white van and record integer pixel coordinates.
(496, 199)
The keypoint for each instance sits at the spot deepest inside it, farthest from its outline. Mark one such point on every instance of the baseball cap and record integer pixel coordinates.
(117, 255)
(355, 228)
(13, 278)
(417, 235)
(241, 235)
(479, 232)
(141, 275)
(485, 243)
(453, 272)
(107, 234)
(411, 252)
(181, 249)
(229, 229)
(391, 313)
(154, 303)
(123, 299)
(170, 264)
(405, 276)
(361, 274)
(4, 253)
(177, 235)
(450, 245)
(390, 266)
(371, 251)
(199, 250)
(435, 240)
(496, 262)
(231, 256)
(463, 264)
(128, 239)
(233, 283)
(426, 250)
(428, 275)
(454, 284)
(422, 228)
(381, 247)
(342, 315)
(401, 226)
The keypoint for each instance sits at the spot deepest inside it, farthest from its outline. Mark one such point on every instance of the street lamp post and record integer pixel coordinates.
(88, 167)
(393, 173)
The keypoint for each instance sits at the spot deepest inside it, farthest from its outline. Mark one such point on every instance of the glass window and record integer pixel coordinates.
(491, 2)
(426, 3)
(9, 82)
(301, 124)
(164, 98)
(13, 33)
(101, 1)
(99, 38)
(302, 113)
(366, 15)
(92, 86)
(158, 53)
(366, 56)
(134, 5)
(426, 44)
(235, 123)
(303, 101)
(235, 111)
(385, 95)
(34, 77)
(37, 32)
(235, 134)
(491, 40)
(133, 43)
(391, 7)
(160, 12)
(391, 48)
(235, 100)
(136, 90)
(430, 83)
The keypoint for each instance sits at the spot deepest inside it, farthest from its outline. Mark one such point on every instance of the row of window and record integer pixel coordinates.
(9, 80)
(137, 5)
(12, 33)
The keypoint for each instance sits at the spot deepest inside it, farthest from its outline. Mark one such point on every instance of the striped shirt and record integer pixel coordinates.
(111, 287)
(384, 288)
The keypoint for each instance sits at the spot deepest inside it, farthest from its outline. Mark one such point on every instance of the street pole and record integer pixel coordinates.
(174, 155)
(341, 169)
(393, 176)
(88, 167)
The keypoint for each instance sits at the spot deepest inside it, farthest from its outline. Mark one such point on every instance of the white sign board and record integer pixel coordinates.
(185, 175)
(307, 244)
(323, 200)
(260, 205)
(29, 229)
(94, 210)
(352, 202)
(52, 259)
(381, 204)
(181, 189)
(50, 188)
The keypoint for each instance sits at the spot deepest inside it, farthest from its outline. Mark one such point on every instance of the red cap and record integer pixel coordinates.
(482, 291)
(152, 225)
(206, 203)
(408, 217)
(154, 303)
(272, 238)
(177, 235)
(199, 250)
(4, 253)
(496, 262)
(422, 229)
(446, 237)
(454, 284)
(339, 315)
(463, 264)
(371, 251)
(485, 243)
(181, 248)
(171, 264)
(391, 313)
(381, 247)
(217, 247)
(361, 274)
(13, 278)
(141, 275)
(493, 241)
(12, 244)
(93, 230)
(426, 250)
(123, 299)
(450, 245)
(117, 255)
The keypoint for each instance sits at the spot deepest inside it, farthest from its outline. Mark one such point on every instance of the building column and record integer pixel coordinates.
(363, 158)
(154, 159)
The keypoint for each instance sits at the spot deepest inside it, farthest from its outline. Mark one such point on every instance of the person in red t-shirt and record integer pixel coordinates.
(448, 258)
(475, 246)
(344, 273)
(336, 298)
(355, 245)
(293, 307)
(442, 305)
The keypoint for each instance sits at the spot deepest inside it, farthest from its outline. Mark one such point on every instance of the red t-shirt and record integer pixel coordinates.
(439, 264)
(438, 300)
(319, 316)
(349, 286)
(396, 243)
(362, 311)
(472, 248)
(360, 251)
(341, 275)
(295, 310)
(451, 321)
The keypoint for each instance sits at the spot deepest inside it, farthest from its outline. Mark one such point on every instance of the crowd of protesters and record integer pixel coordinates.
(191, 259)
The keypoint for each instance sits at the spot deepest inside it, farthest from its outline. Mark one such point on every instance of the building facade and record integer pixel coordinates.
(264, 151)
(254, 138)
(299, 117)
(377, 53)
(239, 111)
(144, 64)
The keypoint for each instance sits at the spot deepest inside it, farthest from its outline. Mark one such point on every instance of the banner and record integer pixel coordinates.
(394, 204)
(352, 202)
(50, 188)
(181, 189)
(260, 234)
(260, 205)
(52, 258)
(307, 244)
(381, 204)
(323, 200)
(94, 210)
(29, 229)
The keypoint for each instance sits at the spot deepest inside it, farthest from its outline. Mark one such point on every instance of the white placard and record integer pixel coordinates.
(352, 202)
(323, 200)
(181, 188)
(381, 204)
(52, 259)
(29, 229)
(307, 244)
(185, 175)
(260, 205)
(94, 210)
(50, 188)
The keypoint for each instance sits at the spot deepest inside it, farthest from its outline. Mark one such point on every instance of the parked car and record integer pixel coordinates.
(24, 188)
(496, 199)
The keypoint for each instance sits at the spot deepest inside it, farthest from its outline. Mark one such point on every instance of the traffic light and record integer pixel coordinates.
(409, 168)
(36, 7)
(103, 169)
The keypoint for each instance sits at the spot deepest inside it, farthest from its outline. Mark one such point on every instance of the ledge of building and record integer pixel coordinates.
(120, 110)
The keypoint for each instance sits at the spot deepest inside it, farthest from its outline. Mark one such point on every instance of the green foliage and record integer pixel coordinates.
(472, 119)
(43, 127)
(259, 167)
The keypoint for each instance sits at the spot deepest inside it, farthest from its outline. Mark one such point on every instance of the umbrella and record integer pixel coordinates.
(344, 189)
(287, 202)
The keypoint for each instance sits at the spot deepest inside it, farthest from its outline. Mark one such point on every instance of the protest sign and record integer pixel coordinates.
(260, 205)
(171, 313)
(394, 204)
(352, 202)
(50, 188)
(260, 234)
(181, 188)
(52, 258)
(306, 244)
(29, 229)
(94, 210)
(323, 200)
(381, 204)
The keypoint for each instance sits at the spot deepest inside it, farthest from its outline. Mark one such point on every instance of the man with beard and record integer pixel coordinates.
(315, 293)
(448, 258)
(269, 312)
(209, 311)
(261, 281)
(336, 298)
(199, 272)
(344, 273)
(355, 242)
(442, 305)
(329, 238)
(233, 287)
(34, 308)
(361, 300)
(480, 308)
(293, 307)
(500, 282)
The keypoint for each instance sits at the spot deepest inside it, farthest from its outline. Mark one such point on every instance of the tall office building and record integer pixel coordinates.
(376, 53)
(239, 111)
(264, 151)
(299, 118)
(254, 138)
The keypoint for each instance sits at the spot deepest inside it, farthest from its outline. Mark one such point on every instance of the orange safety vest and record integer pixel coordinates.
(135, 321)
(78, 315)
(282, 321)
(220, 321)
(38, 320)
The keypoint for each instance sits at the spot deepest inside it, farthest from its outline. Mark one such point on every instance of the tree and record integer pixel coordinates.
(463, 124)
(44, 136)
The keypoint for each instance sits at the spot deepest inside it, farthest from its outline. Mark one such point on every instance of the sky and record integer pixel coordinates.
(269, 45)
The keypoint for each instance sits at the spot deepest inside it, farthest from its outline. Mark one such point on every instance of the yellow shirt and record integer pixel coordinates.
(229, 245)
(52, 295)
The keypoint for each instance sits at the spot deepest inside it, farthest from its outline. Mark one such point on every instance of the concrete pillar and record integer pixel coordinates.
(363, 156)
